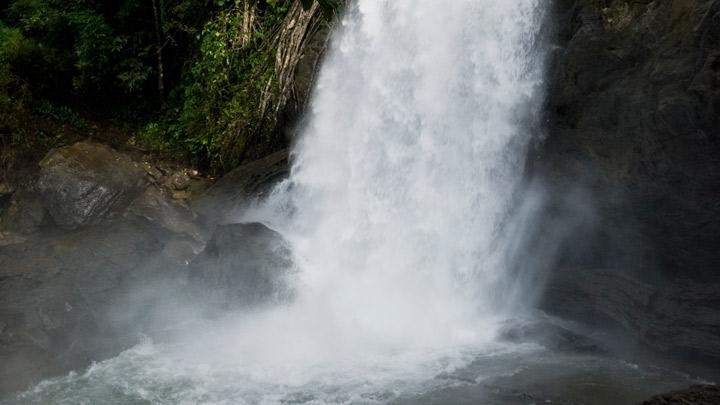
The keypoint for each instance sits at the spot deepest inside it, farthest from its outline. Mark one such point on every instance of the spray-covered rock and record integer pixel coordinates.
(242, 265)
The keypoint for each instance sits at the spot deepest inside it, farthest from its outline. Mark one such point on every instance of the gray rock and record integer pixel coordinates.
(85, 183)
(548, 334)
(633, 118)
(243, 265)
(166, 212)
(239, 187)
(678, 318)
(633, 111)
(55, 294)
(25, 213)
(695, 395)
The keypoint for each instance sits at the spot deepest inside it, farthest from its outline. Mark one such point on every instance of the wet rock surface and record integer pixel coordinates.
(695, 395)
(25, 213)
(98, 250)
(549, 335)
(242, 265)
(235, 190)
(54, 294)
(173, 215)
(632, 121)
(680, 318)
(82, 184)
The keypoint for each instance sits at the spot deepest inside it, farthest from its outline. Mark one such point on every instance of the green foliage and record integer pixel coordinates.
(183, 71)
(62, 114)
(13, 92)
(13, 97)
(214, 113)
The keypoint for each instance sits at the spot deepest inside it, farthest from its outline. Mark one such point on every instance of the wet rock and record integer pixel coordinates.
(547, 334)
(632, 110)
(6, 189)
(85, 183)
(239, 187)
(25, 214)
(632, 117)
(679, 318)
(695, 395)
(174, 216)
(179, 181)
(10, 238)
(242, 265)
(55, 294)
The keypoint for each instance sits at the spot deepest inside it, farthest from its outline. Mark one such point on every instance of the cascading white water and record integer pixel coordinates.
(406, 171)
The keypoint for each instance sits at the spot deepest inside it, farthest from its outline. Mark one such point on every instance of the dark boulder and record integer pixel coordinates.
(55, 294)
(234, 191)
(173, 215)
(25, 213)
(242, 265)
(695, 395)
(677, 318)
(84, 183)
(548, 334)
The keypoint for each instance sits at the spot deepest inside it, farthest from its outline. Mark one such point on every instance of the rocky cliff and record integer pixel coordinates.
(633, 123)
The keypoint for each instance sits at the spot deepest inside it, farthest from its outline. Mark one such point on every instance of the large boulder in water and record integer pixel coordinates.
(82, 184)
(170, 214)
(55, 295)
(229, 195)
(242, 265)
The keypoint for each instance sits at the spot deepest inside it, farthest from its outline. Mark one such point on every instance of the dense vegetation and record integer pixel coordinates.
(179, 75)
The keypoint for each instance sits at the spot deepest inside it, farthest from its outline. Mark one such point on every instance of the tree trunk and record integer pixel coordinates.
(158, 10)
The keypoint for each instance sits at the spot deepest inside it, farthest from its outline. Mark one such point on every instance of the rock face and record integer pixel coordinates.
(54, 296)
(81, 184)
(236, 189)
(25, 213)
(695, 395)
(676, 318)
(634, 110)
(242, 265)
(172, 215)
(633, 119)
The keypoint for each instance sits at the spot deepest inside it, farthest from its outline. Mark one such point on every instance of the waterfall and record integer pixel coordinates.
(403, 185)
(405, 173)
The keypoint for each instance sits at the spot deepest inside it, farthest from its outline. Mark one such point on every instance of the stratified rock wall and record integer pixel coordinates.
(633, 121)
(634, 111)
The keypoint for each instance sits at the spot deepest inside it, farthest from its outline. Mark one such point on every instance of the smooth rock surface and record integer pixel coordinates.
(242, 265)
(176, 216)
(84, 183)
(234, 191)
(680, 319)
